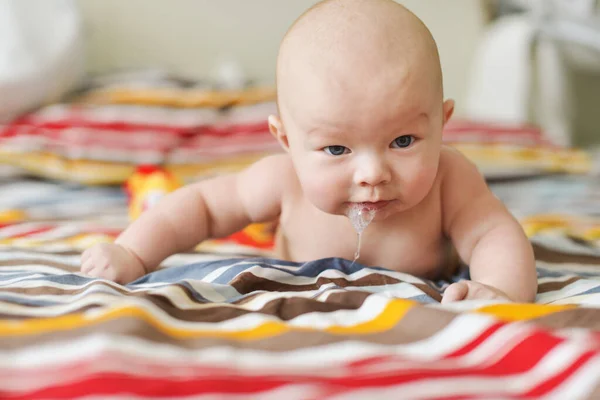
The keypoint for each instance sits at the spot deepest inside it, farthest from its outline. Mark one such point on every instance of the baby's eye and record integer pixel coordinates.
(403, 142)
(335, 150)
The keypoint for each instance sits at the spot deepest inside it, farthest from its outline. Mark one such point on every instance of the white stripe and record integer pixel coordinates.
(568, 291)
(214, 275)
(320, 360)
(19, 229)
(303, 361)
(40, 257)
(567, 268)
(580, 384)
(499, 344)
(208, 291)
(462, 330)
(464, 306)
(261, 298)
(402, 290)
(553, 363)
(285, 277)
(587, 300)
(59, 232)
(552, 279)
(369, 310)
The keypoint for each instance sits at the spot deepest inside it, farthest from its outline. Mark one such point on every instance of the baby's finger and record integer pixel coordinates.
(87, 266)
(85, 256)
(455, 292)
(93, 268)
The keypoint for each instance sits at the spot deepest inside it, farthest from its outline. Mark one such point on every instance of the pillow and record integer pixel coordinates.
(100, 136)
(510, 151)
(102, 143)
(37, 67)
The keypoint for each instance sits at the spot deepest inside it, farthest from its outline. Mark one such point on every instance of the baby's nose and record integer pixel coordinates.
(372, 172)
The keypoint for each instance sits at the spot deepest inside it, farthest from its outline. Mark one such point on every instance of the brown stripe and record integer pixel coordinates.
(33, 250)
(557, 257)
(78, 289)
(428, 290)
(282, 308)
(247, 282)
(588, 318)
(291, 307)
(556, 285)
(46, 263)
(418, 324)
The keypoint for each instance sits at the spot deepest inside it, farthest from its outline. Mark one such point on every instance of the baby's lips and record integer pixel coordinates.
(371, 206)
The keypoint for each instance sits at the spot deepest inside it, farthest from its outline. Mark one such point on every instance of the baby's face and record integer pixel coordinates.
(374, 145)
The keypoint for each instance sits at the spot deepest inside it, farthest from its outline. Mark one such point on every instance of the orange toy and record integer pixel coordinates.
(147, 186)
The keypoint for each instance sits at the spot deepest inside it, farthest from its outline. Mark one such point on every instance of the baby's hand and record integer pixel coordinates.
(113, 262)
(471, 290)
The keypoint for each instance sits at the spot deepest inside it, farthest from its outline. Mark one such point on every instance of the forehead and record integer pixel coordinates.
(349, 97)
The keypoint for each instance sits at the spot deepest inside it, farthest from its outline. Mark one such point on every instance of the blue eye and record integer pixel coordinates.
(403, 142)
(335, 150)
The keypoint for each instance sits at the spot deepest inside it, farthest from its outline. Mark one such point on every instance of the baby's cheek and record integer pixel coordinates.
(419, 183)
(326, 191)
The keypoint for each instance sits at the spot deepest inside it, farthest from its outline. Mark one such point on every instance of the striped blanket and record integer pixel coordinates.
(218, 324)
(259, 328)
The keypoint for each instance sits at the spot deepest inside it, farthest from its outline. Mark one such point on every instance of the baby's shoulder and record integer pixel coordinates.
(275, 170)
(280, 163)
(454, 165)
(458, 176)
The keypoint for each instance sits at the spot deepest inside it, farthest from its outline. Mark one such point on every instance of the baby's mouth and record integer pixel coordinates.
(368, 205)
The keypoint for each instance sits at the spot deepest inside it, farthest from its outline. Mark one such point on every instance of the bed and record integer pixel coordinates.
(228, 321)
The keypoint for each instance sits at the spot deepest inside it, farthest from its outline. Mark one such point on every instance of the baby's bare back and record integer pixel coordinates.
(412, 241)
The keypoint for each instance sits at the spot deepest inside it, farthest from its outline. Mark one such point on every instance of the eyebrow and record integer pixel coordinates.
(325, 129)
(322, 132)
(419, 117)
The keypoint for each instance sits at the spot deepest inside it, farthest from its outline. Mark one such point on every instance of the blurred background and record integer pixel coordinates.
(190, 37)
(97, 92)
(480, 42)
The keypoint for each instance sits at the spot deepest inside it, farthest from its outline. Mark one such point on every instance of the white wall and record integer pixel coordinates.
(187, 36)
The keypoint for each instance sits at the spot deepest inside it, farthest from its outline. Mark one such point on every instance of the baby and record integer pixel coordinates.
(361, 113)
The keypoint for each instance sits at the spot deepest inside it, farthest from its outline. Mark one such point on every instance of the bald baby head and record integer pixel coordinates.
(365, 42)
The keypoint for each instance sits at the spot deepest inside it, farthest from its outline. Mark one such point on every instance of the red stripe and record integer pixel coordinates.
(32, 231)
(521, 359)
(466, 125)
(476, 342)
(369, 361)
(124, 127)
(127, 127)
(115, 384)
(543, 389)
(552, 383)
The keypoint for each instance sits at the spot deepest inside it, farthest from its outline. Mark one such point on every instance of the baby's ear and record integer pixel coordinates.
(276, 128)
(448, 110)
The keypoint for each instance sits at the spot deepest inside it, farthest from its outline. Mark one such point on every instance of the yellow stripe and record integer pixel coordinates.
(181, 98)
(12, 216)
(522, 312)
(93, 172)
(389, 317)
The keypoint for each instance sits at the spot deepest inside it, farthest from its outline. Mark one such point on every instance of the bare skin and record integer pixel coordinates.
(361, 115)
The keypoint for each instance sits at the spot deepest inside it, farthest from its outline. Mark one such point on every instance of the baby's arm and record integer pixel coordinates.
(208, 209)
(486, 236)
